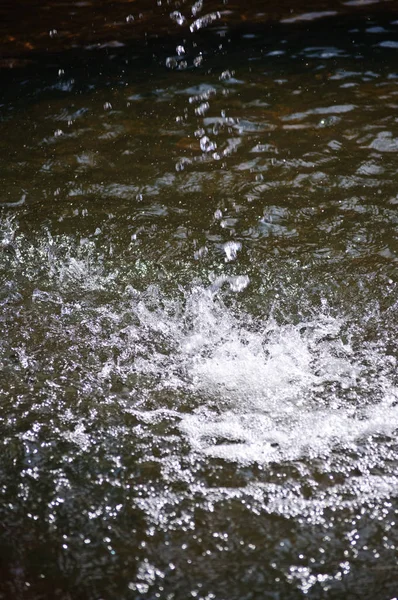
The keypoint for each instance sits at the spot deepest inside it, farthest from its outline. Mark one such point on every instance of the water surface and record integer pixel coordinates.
(199, 308)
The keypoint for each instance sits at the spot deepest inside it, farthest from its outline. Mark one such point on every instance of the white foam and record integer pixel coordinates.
(266, 391)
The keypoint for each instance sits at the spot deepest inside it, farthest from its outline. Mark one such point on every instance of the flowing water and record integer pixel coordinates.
(198, 260)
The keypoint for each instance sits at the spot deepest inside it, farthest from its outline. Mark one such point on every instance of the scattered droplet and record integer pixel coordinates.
(206, 145)
(177, 17)
(197, 7)
(202, 108)
(225, 75)
(197, 61)
(171, 62)
(231, 250)
(204, 21)
(239, 283)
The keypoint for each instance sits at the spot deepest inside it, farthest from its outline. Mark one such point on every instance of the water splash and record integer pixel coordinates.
(266, 392)
(253, 389)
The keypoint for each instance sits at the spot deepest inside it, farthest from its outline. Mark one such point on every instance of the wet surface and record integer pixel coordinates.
(198, 254)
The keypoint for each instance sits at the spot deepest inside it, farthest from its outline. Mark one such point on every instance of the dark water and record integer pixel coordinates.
(198, 296)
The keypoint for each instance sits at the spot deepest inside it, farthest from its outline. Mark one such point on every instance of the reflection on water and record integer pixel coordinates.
(198, 257)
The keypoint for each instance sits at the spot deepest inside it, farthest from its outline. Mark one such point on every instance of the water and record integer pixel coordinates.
(198, 252)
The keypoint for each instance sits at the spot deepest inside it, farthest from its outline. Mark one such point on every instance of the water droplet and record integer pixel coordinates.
(206, 145)
(225, 75)
(202, 108)
(177, 17)
(231, 250)
(204, 21)
(239, 283)
(171, 62)
(197, 7)
(197, 61)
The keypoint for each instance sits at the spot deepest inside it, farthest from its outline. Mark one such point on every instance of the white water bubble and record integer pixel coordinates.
(225, 75)
(197, 7)
(197, 61)
(206, 145)
(239, 283)
(177, 17)
(171, 62)
(202, 108)
(231, 250)
(204, 21)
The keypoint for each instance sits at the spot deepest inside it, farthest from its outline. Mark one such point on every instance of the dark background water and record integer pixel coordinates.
(198, 256)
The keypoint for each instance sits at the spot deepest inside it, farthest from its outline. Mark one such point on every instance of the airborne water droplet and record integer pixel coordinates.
(197, 61)
(177, 17)
(197, 7)
(171, 62)
(206, 145)
(204, 21)
(231, 250)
